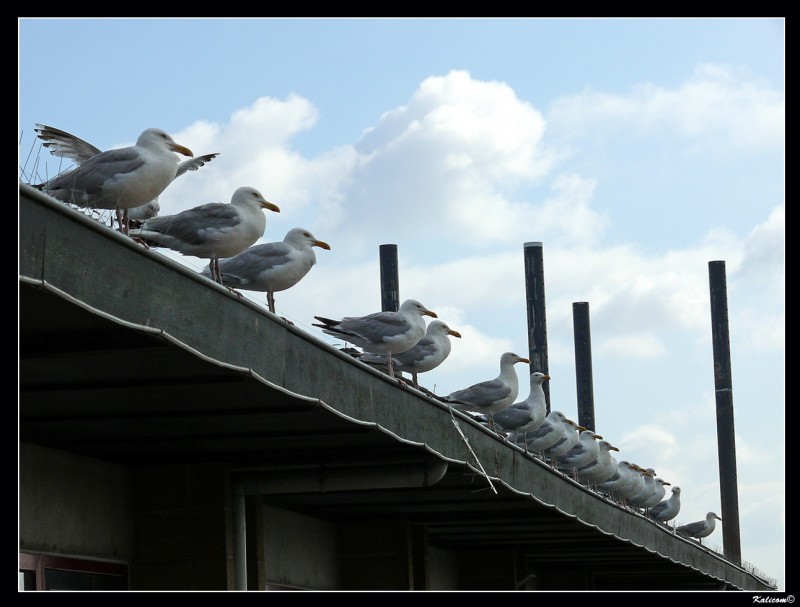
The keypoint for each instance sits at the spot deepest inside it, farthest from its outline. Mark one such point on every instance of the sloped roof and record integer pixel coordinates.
(116, 365)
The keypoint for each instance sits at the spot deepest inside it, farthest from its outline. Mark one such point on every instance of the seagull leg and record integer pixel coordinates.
(120, 224)
(414, 378)
(213, 268)
(271, 301)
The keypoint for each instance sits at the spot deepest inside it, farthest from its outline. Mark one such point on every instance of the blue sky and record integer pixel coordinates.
(635, 150)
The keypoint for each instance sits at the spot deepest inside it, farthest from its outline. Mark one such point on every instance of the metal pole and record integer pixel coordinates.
(726, 441)
(583, 363)
(390, 283)
(537, 321)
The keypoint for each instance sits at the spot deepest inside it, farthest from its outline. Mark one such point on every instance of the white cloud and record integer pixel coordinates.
(648, 444)
(718, 104)
(482, 125)
(640, 345)
(255, 149)
(450, 163)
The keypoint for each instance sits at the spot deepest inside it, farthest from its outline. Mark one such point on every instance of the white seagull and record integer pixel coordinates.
(700, 529)
(488, 397)
(528, 414)
(66, 145)
(602, 468)
(381, 332)
(625, 482)
(658, 493)
(427, 354)
(272, 266)
(212, 231)
(548, 434)
(582, 454)
(570, 438)
(648, 477)
(668, 509)
(635, 483)
(120, 179)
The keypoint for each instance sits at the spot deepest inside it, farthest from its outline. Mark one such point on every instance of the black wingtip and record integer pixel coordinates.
(328, 322)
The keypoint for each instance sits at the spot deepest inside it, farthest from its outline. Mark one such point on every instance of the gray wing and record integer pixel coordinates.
(577, 450)
(194, 163)
(512, 418)
(482, 394)
(245, 267)
(65, 145)
(375, 328)
(92, 175)
(542, 431)
(692, 528)
(657, 509)
(612, 479)
(424, 348)
(377, 359)
(194, 226)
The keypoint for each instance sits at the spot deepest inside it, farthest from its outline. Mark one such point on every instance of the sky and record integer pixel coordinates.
(635, 150)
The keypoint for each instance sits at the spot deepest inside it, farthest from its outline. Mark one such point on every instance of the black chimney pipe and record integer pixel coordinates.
(390, 282)
(723, 385)
(537, 321)
(583, 363)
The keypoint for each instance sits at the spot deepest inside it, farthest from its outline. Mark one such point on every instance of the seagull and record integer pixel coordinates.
(635, 484)
(492, 395)
(385, 332)
(668, 509)
(567, 442)
(549, 433)
(582, 454)
(137, 215)
(66, 145)
(602, 468)
(427, 354)
(212, 231)
(625, 481)
(528, 414)
(700, 529)
(657, 495)
(273, 266)
(120, 179)
(648, 486)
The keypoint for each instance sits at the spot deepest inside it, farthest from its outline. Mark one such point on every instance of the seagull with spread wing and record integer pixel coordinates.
(119, 179)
